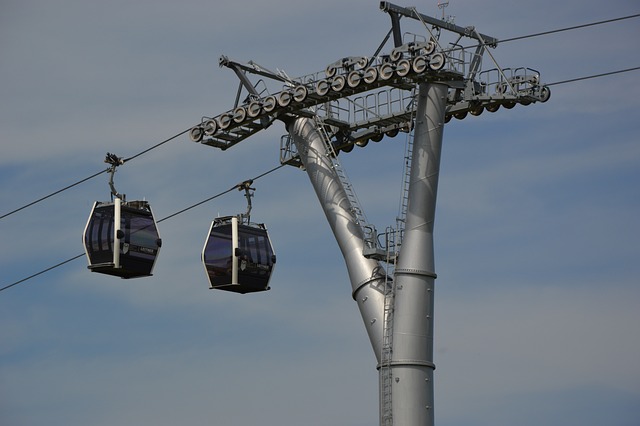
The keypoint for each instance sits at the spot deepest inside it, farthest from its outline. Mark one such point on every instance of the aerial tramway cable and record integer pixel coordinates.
(327, 87)
(224, 192)
(575, 27)
(572, 80)
(159, 221)
(92, 176)
(231, 189)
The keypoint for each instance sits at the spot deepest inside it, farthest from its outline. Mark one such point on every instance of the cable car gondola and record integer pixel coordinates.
(121, 238)
(237, 254)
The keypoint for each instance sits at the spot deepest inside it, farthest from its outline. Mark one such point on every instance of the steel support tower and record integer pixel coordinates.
(416, 88)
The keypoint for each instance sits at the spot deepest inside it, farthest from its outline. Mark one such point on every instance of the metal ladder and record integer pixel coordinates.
(393, 240)
(406, 177)
(386, 374)
(393, 237)
(356, 208)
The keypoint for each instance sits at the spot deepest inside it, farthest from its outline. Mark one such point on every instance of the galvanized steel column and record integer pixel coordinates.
(412, 359)
(366, 275)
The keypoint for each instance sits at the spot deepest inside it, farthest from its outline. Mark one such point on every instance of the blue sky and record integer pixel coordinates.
(536, 231)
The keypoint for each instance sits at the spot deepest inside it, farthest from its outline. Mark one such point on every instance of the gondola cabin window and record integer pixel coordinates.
(101, 235)
(217, 256)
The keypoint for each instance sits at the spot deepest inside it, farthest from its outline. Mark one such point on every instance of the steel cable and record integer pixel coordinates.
(159, 221)
(90, 177)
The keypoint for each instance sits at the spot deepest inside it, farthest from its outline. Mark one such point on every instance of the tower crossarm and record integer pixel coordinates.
(412, 13)
(365, 98)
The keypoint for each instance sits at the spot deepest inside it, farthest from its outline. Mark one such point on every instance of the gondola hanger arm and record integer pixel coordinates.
(114, 161)
(246, 187)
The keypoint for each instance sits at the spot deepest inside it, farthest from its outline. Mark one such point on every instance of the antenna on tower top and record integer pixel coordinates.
(442, 5)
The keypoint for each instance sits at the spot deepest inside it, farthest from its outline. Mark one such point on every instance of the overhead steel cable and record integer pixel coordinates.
(159, 144)
(53, 193)
(592, 76)
(92, 176)
(500, 41)
(42, 272)
(575, 27)
(215, 196)
(558, 30)
(159, 221)
(258, 177)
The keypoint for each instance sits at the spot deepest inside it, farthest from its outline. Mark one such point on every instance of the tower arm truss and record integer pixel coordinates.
(400, 11)
(361, 99)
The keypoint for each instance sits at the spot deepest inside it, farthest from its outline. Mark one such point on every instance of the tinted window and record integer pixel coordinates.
(99, 236)
(217, 255)
(140, 233)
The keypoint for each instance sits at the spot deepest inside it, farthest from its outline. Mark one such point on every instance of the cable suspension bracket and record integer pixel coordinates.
(248, 193)
(114, 161)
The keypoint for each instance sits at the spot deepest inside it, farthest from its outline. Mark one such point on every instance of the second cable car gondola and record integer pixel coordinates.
(237, 254)
(121, 238)
(238, 257)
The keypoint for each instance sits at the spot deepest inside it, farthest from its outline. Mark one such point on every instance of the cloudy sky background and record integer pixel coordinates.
(537, 230)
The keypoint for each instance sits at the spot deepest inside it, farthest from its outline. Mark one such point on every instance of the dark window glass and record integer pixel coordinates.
(140, 234)
(106, 233)
(218, 255)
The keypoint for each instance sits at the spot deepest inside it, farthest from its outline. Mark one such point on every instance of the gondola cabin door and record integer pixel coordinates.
(121, 239)
(238, 257)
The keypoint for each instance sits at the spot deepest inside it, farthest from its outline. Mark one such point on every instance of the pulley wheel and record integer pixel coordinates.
(395, 55)
(284, 98)
(210, 127)
(338, 82)
(239, 114)
(354, 78)
(545, 94)
(436, 61)
(386, 71)
(477, 110)
(347, 148)
(370, 75)
(253, 110)
(196, 134)
(224, 120)
(322, 87)
(392, 133)
(269, 104)
(420, 63)
(429, 48)
(361, 63)
(300, 93)
(403, 68)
